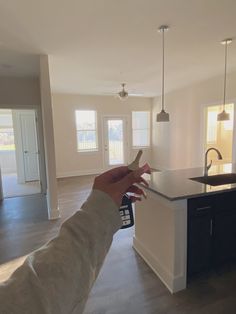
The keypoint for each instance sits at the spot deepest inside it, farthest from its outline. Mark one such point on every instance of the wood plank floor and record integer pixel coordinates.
(126, 284)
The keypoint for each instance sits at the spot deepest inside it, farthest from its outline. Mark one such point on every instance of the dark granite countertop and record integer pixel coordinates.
(175, 184)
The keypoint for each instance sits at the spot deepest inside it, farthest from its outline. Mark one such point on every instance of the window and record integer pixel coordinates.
(6, 131)
(86, 127)
(212, 125)
(215, 129)
(229, 125)
(141, 128)
(219, 134)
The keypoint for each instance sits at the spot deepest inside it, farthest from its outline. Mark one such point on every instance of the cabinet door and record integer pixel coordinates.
(224, 244)
(199, 238)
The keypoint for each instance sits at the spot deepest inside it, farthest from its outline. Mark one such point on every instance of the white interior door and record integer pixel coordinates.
(29, 146)
(115, 141)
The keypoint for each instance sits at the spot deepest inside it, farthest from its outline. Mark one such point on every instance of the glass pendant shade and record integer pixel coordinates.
(163, 116)
(223, 116)
(123, 95)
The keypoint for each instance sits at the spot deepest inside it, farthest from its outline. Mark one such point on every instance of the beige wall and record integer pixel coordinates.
(19, 92)
(68, 161)
(179, 143)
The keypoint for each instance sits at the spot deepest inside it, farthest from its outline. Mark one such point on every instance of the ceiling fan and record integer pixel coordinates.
(123, 94)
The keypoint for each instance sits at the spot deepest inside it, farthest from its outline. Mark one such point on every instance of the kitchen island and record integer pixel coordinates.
(178, 228)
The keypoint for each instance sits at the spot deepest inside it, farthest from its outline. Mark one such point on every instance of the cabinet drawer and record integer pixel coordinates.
(200, 206)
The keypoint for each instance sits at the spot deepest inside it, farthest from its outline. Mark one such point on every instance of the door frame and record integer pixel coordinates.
(126, 119)
(39, 131)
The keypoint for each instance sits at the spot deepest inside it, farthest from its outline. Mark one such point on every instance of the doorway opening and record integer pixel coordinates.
(220, 134)
(19, 160)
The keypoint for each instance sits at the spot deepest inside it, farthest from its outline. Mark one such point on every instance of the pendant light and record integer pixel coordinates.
(224, 116)
(163, 116)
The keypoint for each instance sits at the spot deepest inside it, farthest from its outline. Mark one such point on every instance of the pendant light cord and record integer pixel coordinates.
(163, 68)
(226, 45)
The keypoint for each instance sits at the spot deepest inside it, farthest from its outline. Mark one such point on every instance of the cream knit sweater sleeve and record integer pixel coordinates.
(57, 278)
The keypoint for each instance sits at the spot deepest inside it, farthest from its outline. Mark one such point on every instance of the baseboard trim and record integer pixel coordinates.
(54, 214)
(173, 284)
(79, 173)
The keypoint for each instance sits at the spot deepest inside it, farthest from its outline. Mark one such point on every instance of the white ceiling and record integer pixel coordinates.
(94, 45)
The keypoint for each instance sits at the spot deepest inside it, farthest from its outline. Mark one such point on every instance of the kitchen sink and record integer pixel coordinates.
(218, 179)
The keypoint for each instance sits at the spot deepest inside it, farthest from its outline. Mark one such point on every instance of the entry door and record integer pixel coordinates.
(29, 146)
(115, 141)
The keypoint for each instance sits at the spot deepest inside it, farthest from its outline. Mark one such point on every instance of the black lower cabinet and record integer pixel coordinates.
(224, 244)
(199, 236)
(211, 232)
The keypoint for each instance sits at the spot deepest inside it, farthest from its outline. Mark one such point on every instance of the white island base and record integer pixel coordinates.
(161, 238)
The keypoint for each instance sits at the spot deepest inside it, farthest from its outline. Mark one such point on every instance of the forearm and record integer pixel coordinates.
(57, 278)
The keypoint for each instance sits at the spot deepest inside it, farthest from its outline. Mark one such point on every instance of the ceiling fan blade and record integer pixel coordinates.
(136, 94)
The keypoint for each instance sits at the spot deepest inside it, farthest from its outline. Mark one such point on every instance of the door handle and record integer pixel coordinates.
(211, 227)
(203, 208)
(25, 151)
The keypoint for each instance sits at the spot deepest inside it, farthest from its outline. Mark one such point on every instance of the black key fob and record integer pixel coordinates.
(126, 212)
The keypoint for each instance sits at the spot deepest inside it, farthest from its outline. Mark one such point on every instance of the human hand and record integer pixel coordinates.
(118, 181)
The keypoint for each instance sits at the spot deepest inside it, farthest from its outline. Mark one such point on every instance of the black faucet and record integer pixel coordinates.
(206, 166)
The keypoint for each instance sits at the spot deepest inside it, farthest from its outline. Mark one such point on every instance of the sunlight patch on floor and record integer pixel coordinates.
(12, 188)
(8, 268)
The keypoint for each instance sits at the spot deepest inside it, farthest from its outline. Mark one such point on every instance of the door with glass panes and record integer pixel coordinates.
(115, 141)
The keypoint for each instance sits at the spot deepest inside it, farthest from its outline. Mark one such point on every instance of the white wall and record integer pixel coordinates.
(179, 143)
(46, 104)
(68, 161)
